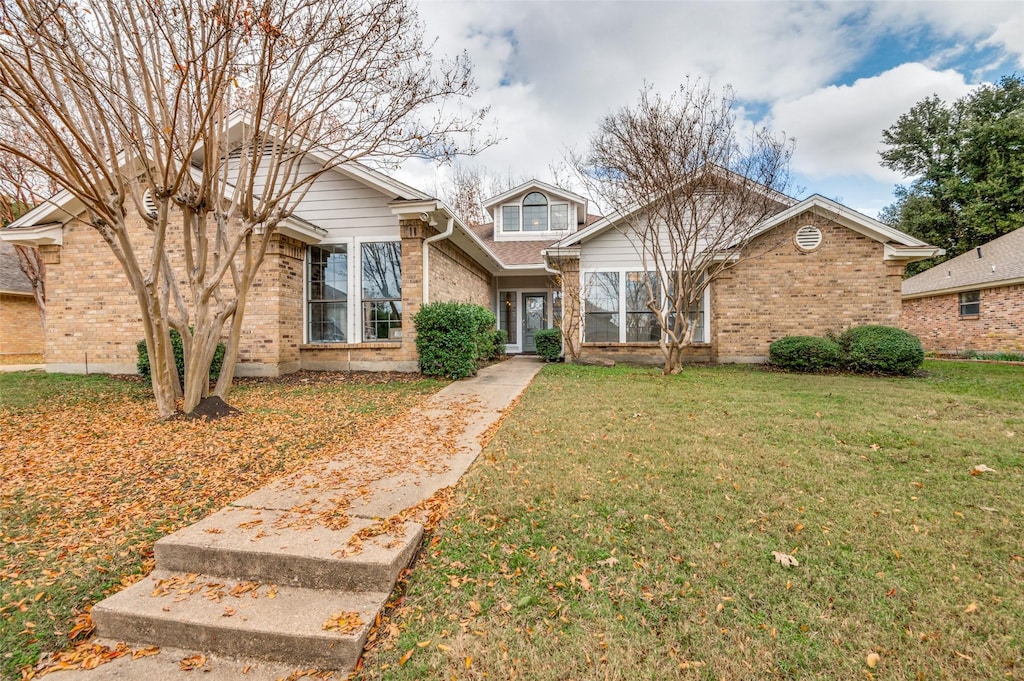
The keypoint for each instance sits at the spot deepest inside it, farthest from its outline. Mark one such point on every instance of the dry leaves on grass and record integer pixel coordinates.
(84, 656)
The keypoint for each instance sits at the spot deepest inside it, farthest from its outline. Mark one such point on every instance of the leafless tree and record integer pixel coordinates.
(469, 186)
(689, 187)
(208, 123)
(21, 187)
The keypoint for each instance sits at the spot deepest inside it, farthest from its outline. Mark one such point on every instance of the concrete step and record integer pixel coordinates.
(240, 619)
(289, 548)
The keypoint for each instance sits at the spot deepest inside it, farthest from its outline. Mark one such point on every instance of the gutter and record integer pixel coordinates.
(449, 230)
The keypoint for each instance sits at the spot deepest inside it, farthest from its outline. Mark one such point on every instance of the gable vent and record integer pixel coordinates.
(148, 204)
(808, 238)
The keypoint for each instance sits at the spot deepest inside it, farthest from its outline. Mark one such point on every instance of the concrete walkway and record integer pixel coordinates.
(292, 576)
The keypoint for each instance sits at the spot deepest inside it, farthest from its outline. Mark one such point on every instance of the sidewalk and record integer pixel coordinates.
(254, 586)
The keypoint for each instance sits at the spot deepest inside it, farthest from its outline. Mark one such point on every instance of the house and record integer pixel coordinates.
(21, 324)
(974, 301)
(347, 272)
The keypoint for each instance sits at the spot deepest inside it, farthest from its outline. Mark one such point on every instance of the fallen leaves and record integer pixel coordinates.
(343, 622)
(872, 660)
(981, 469)
(192, 663)
(785, 559)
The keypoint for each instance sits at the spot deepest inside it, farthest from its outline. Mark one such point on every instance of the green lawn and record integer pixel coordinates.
(621, 525)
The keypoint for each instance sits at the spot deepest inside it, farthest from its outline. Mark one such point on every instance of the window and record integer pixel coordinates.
(970, 303)
(560, 216)
(328, 294)
(382, 291)
(507, 314)
(535, 212)
(641, 324)
(601, 307)
(695, 312)
(510, 218)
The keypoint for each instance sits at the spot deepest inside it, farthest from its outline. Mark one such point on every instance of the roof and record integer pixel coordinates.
(1000, 262)
(518, 253)
(535, 184)
(12, 279)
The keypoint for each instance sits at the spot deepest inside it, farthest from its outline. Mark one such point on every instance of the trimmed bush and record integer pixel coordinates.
(499, 340)
(142, 363)
(876, 349)
(549, 344)
(805, 353)
(452, 337)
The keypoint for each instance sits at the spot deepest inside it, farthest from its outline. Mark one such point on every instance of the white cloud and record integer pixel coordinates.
(838, 129)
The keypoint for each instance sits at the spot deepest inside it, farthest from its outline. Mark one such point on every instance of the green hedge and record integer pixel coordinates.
(451, 338)
(549, 344)
(876, 349)
(805, 353)
(142, 363)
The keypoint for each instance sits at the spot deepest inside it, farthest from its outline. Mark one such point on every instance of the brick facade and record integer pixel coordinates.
(455, 277)
(937, 322)
(21, 329)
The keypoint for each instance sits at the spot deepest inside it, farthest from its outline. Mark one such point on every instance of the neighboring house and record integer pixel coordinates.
(21, 324)
(363, 252)
(974, 301)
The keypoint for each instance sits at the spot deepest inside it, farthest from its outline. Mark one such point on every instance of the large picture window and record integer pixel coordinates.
(641, 323)
(381, 278)
(327, 313)
(601, 307)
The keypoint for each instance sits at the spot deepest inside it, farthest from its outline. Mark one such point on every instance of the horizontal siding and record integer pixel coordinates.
(612, 249)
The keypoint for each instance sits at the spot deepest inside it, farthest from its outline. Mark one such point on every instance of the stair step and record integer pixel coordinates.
(238, 618)
(289, 549)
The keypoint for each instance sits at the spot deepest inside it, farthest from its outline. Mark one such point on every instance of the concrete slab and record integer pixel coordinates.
(293, 549)
(238, 618)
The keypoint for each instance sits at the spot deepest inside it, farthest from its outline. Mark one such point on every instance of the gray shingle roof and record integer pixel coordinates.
(12, 279)
(1001, 260)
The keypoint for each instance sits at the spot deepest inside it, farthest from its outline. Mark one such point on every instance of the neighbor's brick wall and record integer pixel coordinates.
(785, 292)
(937, 322)
(455, 277)
(21, 327)
(93, 314)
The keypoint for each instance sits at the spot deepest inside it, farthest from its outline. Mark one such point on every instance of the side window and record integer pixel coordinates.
(510, 218)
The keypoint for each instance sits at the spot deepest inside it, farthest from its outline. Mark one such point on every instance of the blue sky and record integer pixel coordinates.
(833, 75)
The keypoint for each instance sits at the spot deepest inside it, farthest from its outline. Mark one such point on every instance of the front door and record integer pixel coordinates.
(535, 318)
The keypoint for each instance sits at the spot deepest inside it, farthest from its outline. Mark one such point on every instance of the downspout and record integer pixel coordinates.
(426, 255)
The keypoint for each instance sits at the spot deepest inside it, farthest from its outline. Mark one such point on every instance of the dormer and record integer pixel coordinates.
(536, 211)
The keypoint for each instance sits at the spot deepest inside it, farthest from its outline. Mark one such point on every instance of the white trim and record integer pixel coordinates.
(524, 189)
(50, 234)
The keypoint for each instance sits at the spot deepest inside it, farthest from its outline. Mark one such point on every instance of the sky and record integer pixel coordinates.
(832, 75)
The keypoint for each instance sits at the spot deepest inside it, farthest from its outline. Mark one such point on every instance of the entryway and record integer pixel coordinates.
(535, 318)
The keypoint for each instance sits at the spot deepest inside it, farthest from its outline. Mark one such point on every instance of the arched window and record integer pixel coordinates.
(535, 212)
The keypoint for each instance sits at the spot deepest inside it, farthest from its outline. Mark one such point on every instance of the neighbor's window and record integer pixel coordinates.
(970, 303)
(328, 294)
(510, 218)
(641, 324)
(559, 216)
(535, 212)
(382, 291)
(601, 307)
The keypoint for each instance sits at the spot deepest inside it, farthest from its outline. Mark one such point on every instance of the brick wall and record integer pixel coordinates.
(455, 277)
(784, 291)
(21, 328)
(937, 322)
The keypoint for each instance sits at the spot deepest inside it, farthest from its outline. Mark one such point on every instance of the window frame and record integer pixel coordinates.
(966, 305)
(519, 209)
(703, 325)
(310, 301)
(364, 323)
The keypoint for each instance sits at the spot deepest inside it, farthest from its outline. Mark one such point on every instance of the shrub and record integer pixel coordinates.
(881, 350)
(549, 344)
(143, 366)
(805, 353)
(452, 337)
(499, 340)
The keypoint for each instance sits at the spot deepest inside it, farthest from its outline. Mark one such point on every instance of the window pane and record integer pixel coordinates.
(510, 218)
(970, 303)
(560, 216)
(535, 218)
(535, 199)
(382, 291)
(328, 281)
(601, 307)
(507, 315)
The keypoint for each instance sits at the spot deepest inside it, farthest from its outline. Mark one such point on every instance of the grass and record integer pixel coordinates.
(621, 525)
(91, 481)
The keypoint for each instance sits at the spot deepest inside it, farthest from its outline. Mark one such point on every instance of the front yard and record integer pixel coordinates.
(90, 481)
(621, 525)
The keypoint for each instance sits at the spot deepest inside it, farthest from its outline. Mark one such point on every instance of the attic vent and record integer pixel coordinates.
(808, 238)
(149, 204)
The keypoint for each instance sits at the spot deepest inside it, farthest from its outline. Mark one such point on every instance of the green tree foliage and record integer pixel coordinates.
(966, 161)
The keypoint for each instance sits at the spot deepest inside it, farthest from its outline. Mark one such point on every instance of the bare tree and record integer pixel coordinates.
(469, 186)
(21, 187)
(210, 122)
(689, 188)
